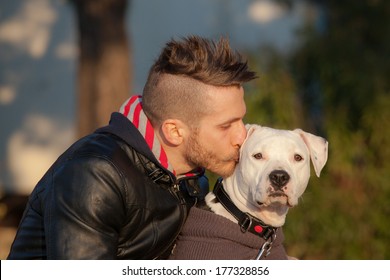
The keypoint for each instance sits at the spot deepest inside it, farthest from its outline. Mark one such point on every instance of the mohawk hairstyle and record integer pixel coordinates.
(184, 71)
(213, 63)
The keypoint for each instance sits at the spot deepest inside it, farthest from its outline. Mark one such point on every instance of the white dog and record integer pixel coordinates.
(272, 174)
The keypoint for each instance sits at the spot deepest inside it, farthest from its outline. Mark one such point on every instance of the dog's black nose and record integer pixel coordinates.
(279, 178)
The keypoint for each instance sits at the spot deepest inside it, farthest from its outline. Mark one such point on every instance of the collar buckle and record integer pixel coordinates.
(245, 223)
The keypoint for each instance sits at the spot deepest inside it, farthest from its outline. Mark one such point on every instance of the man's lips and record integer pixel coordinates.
(237, 157)
(232, 159)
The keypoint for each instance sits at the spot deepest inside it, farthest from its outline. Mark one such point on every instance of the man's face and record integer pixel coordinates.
(215, 143)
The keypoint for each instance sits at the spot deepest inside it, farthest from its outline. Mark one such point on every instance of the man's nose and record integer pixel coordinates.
(241, 135)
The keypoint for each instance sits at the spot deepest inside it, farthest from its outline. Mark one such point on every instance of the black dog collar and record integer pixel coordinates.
(246, 221)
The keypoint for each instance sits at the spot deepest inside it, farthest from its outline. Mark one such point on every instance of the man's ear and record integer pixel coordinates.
(173, 131)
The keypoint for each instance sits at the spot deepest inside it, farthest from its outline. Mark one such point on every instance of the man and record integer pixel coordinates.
(124, 191)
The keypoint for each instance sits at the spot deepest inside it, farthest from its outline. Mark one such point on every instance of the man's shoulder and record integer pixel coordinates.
(103, 145)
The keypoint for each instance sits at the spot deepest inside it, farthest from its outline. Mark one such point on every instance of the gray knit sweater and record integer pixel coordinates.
(207, 236)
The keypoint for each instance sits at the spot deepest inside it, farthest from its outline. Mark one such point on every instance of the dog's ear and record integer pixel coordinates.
(250, 128)
(318, 148)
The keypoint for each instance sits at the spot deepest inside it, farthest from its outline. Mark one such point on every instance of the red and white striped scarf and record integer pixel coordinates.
(132, 109)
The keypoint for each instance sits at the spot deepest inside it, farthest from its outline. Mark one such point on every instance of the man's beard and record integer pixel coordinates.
(198, 156)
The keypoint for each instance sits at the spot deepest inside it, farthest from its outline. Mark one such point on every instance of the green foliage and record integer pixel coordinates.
(271, 99)
(345, 213)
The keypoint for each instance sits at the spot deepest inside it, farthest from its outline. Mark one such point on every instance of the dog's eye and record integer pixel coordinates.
(258, 156)
(298, 157)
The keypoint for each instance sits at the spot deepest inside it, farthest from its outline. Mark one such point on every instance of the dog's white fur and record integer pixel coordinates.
(264, 151)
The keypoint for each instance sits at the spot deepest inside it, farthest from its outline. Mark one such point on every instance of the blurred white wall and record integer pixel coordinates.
(38, 68)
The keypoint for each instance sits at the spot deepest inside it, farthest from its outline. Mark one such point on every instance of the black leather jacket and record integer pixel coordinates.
(106, 197)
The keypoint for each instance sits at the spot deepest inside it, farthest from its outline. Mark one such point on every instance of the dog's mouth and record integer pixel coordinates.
(277, 197)
(278, 194)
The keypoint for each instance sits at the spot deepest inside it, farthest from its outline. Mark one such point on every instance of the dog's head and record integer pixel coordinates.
(274, 170)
